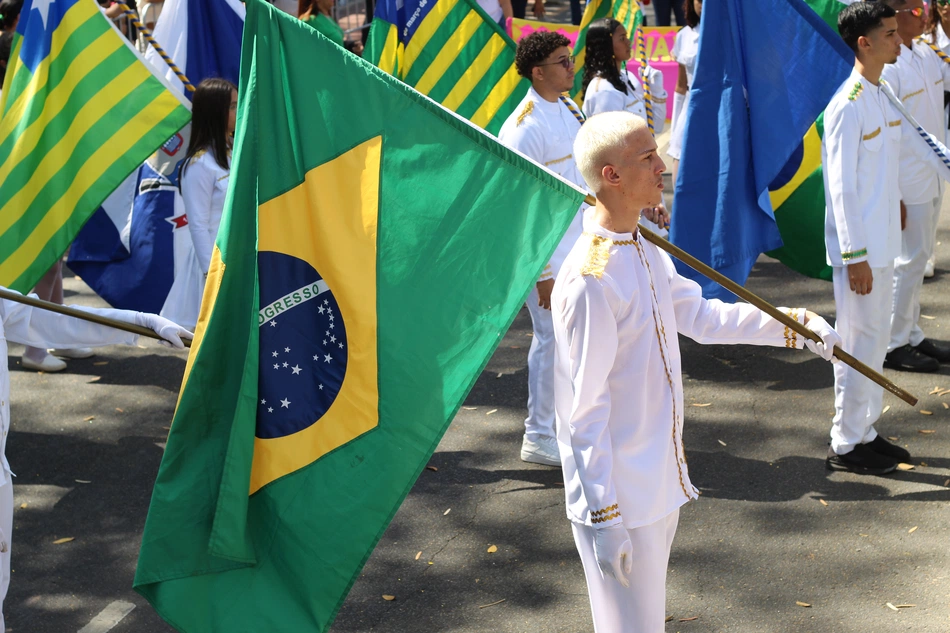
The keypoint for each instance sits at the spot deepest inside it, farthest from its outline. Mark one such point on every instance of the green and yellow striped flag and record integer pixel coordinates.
(451, 51)
(80, 111)
(627, 12)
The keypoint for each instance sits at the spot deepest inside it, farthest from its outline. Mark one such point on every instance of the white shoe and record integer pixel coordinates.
(79, 352)
(544, 451)
(49, 364)
(929, 269)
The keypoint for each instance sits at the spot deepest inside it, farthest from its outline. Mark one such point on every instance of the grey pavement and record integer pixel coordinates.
(772, 529)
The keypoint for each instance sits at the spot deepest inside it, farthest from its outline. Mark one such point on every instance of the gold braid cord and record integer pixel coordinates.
(134, 17)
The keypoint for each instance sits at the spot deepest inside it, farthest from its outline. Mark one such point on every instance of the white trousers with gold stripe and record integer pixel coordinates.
(641, 607)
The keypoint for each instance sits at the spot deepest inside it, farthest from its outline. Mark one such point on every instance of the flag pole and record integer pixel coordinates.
(82, 314)
(770, 310)
(134, 17)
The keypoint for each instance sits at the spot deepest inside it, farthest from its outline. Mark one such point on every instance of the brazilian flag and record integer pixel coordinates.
(798, 193)
(374, 249)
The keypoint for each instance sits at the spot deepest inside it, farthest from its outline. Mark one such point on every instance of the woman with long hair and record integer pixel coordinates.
(10, 15)
(207, 165)
(608, 86)
(685, 50)
(319, 15)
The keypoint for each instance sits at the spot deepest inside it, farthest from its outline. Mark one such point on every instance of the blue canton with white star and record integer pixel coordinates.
(303, 347)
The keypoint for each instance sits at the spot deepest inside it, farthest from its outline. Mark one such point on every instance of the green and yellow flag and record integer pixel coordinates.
(80, 112)
(798, 194)
(451, 51)
(627, 12)
(372, 254)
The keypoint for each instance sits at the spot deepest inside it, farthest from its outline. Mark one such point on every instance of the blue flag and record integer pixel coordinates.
(136, 248)
(766, 70)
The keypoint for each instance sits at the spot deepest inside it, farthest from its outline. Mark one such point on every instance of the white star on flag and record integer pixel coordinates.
(285, 403)
(295, 369)
(327, 358)
(43, 7)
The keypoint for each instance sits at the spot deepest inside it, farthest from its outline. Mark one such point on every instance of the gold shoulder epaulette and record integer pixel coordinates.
(598, 254)
(528, 109)
(856, 91)
(201, 152)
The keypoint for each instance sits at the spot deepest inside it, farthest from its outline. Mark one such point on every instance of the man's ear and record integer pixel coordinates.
(610, 175)
(863, 42)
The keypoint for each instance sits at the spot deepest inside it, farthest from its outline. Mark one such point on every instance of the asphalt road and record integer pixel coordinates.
(772, 529)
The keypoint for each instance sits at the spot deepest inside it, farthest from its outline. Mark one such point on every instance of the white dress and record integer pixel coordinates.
(685, 51)
(603, 96)
(204, 185)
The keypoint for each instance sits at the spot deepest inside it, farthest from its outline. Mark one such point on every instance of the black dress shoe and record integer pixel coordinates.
(909, 358)
(862, 460)
(882, 447)
(934, 349)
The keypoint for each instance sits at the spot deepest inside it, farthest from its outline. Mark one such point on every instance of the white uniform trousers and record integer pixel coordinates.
(6, 524)
(540, 420)
(933, 234)
(863, 321)
(916, 248)
(641, 607)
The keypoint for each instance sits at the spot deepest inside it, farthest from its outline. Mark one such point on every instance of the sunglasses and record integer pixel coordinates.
(917, 11)
(568, 62)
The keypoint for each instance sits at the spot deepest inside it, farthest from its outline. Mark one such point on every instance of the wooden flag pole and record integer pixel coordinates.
(82, 314)
(770, 310)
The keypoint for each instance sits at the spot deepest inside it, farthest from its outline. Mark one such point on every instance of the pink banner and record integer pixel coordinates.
(658, 40)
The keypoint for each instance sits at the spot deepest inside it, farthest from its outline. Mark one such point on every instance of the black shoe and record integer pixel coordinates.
(934, 349)
(885, 448)
(862, 460)
(908, 358)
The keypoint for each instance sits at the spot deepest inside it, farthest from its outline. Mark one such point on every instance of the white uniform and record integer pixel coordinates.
(861, 154)
(603, 96)
(685, 51)
(918, 80)
(619, 399)
(204, 185)
(34, 327)
(545, 132)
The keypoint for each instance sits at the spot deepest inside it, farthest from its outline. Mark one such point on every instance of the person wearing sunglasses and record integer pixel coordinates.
(543, 128)
(918, 78)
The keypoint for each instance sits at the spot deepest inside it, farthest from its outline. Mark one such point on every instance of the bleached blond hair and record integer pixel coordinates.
(599, 142)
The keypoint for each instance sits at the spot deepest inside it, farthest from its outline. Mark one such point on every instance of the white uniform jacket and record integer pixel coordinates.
(918, 79)
(35, 327)
(204, 185)
(617, 307)
(603, 96)
(545, 132)
(860, 156)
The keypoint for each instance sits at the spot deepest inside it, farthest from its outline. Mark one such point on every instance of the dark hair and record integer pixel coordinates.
(210, 108)
(534, 49)
(306, 8)
(10, 11)
(933, 21)
(6, 43)
(692, 18)
(858, 19)
(600, 60)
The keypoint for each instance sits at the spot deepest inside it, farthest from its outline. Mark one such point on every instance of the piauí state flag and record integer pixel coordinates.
(798, 192)
(372, 254)
(451, 51)
(80, 112)
(627, 12)
(766, 69)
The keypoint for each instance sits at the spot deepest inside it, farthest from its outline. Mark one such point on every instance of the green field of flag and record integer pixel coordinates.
(364, 273)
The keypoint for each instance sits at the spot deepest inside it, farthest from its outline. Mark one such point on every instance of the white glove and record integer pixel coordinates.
(829, 338)
(171, 332)
(614, 552)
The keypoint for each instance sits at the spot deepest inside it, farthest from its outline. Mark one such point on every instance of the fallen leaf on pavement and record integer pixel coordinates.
(432, 468)
(912, 530)
(492, 549)
(721, 442)
(946, 483)
(823, 502)
(447, 511)
(905, 467)
(83, 481)
(802, 604)
(388, 598)
(66, 539)
(705, 404)
(469, 408)
(695, 617)
(935, 390)
(101, 362)
(419, 555)
(890, 606)
(905, 606)
(669, 618)
(886, 409)
(492, 411)
(926, 431)
(88, 418)
(945, 405)
(893, 439)
(925, 412)
(924, 316)
(491, 604)
(119, 410)
(22, 505)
